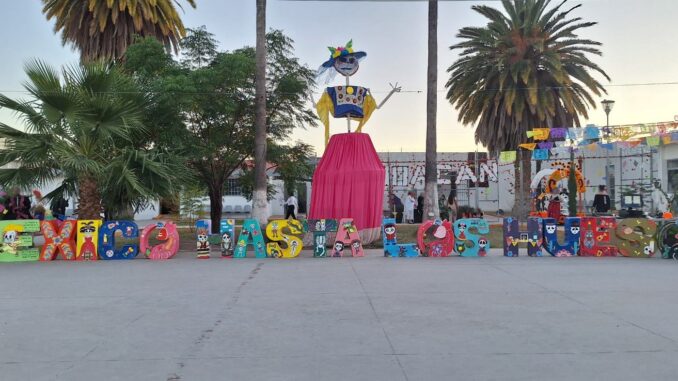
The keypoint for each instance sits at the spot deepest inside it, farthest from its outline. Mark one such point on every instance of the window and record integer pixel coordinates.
(399, 175)
(672, 172)
(233, 188)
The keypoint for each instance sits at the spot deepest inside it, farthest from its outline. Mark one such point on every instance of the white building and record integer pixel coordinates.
(630, 170)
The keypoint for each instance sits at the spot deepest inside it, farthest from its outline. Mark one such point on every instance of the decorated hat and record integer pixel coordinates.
(342, 51)
(328, 69)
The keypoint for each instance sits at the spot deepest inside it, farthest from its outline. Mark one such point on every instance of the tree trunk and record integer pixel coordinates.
(216, 195)
(89, 202)
(522, 179)
(572, 187)
(431, 175)
(259, 195)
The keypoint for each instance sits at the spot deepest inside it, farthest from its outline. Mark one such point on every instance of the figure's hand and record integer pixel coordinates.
(395, 88)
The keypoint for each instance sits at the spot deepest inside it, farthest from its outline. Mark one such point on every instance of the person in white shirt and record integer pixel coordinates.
(291, 207)
(410, 205)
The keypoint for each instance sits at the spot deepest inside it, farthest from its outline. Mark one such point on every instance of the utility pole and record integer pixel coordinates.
(608, 105)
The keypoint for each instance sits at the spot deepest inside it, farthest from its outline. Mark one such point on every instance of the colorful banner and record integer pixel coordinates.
(507, 157)
(540, 154)
(652, 141)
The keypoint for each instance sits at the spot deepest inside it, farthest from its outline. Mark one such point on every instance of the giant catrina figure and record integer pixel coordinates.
(347, 101)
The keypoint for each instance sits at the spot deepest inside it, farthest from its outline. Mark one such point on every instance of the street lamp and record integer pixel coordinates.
(608, 105)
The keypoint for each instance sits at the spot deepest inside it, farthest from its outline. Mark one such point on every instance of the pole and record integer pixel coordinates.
(520, 170)
(621, 178)
(348, 117)
(476, 174)
(498, 182)
(651, 176)
(607, 153)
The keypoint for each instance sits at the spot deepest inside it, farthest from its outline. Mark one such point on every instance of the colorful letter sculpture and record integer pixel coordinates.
(595, 233)
(16, 246)
(202, 232)
(435, 239)
(470, 243)
(320, 228)
(88, 240)
(250, 235)
(292, 243)
(513, 237)
(347, 235)
(227, 230)
(636, 237)
(167, 233)
(107, 232)
(391, 246)
(667, 239)
(572, 235)
(59, 238)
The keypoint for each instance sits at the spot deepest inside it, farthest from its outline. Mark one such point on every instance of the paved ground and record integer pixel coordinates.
(341, 319)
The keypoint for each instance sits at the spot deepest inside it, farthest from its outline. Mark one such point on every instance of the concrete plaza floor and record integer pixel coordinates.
(368, 318)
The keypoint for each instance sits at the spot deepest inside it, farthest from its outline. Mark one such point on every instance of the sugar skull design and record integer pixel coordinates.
(482, 245)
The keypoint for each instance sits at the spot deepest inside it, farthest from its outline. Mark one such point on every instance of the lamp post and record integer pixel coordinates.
(608, 105)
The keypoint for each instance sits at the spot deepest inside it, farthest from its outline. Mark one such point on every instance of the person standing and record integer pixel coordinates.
(452, 206)
(38, 210)
(292, 205)
(553, 209)
(410, 204)
(398, 207)
(419, 212)
(19, 206)
(59, 206)
(601, 201)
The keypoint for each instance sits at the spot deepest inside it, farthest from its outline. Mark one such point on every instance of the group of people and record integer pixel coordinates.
(17, 206)
(558, 203)
(411, 210)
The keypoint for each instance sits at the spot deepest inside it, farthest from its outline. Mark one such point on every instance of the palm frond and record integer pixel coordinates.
(525, 69)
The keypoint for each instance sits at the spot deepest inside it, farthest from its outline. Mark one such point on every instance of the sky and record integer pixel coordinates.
(639, 39)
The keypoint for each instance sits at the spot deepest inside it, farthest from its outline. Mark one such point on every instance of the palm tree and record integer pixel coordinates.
(259, 194)
(431, 171)
(83, 126)
(527, 68)
(105, 28)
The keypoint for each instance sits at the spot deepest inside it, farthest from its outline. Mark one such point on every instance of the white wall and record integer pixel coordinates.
(405, 171)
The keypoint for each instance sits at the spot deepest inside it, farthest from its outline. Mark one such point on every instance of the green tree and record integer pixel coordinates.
(291, 164)
(200, 47)
(85, 126)
(527, 68)
(210, 120)
(103, 29)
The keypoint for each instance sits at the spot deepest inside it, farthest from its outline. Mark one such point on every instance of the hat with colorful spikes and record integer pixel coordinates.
(342, 51)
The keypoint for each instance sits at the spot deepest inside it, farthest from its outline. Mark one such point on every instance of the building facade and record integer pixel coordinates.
(483, 182)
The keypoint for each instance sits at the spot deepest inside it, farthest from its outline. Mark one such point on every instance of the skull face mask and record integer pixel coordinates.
(346, 65)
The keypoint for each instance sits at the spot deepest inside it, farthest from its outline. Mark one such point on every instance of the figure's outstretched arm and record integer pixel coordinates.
(394, 89)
